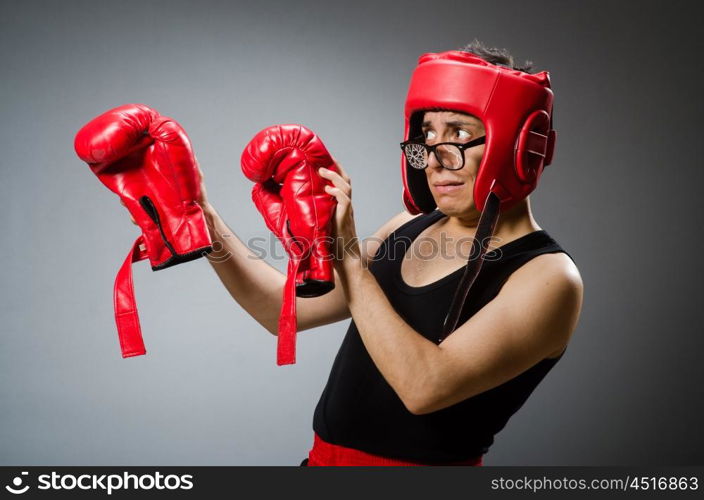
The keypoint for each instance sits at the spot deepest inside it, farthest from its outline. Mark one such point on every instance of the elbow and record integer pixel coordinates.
(419, 403)
(422, 395)
(422, 402)
(270, 326)
(420, 407)
(416, 410)
(428, 405)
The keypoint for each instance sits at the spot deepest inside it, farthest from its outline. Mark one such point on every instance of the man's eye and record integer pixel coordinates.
(429, 134)
(463, 134)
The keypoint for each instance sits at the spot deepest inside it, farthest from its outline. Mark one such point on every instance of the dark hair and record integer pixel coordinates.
(494, 55)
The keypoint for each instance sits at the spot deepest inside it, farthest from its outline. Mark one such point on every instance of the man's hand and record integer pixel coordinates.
(347, 247)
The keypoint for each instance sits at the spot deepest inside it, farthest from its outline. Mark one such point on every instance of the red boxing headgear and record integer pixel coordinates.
(515, 108)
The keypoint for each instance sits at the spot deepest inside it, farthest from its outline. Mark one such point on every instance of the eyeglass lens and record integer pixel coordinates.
(448, 155)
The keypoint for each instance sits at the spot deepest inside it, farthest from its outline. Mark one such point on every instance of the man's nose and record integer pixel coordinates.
(433, 160)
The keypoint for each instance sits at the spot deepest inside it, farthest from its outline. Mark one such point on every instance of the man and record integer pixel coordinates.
(400, 393)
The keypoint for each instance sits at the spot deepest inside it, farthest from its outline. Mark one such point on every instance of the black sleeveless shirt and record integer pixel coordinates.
(359, 409)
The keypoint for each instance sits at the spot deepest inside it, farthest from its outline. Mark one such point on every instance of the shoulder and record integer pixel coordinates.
(553, 276)
(549, 289)
(555, 269)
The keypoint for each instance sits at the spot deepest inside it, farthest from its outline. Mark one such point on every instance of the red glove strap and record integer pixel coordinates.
(286, 342)
(126, 316)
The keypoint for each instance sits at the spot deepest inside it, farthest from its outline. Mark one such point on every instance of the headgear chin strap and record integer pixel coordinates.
(516, 110)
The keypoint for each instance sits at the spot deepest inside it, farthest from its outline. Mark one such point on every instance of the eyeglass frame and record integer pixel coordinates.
(431, 149)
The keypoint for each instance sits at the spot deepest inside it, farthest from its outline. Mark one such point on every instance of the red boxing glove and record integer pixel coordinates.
(284, 160)
(147, 160)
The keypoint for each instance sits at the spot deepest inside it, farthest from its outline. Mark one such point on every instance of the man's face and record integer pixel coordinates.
(453, 189)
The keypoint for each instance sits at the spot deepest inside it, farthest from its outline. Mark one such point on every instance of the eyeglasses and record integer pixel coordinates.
(450, 155)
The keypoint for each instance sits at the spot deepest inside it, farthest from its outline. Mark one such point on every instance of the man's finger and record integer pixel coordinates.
(335, 178)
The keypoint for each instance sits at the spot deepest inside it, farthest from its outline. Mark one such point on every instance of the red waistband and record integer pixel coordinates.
(324, 453)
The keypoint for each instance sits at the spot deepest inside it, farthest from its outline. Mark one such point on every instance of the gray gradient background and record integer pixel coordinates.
(623, 196)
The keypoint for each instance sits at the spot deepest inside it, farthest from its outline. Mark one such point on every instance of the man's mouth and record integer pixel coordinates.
(448, 186)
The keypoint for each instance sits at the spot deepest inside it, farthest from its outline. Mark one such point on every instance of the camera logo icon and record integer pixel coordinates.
(17, 483)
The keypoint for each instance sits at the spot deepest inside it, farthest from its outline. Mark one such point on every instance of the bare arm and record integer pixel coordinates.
(258, 287)
(532, 318)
